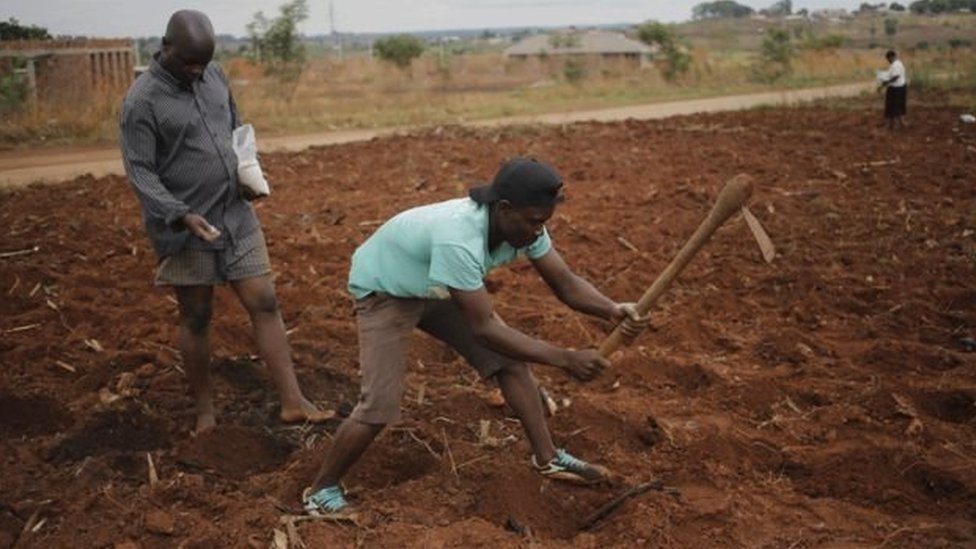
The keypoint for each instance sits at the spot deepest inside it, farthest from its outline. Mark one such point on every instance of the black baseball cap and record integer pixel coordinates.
(523, 182)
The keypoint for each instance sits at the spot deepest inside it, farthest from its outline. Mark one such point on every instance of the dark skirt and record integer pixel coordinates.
(896, 101)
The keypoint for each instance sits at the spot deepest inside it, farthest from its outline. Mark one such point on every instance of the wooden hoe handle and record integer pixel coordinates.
(733, 196)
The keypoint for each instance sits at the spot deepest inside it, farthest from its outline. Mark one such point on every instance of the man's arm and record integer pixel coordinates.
(580, 295)
(137, 138)
(488, 329)
(572, 289)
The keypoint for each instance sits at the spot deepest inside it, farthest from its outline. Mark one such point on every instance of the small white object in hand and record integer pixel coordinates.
(967, 118)
(249, 172)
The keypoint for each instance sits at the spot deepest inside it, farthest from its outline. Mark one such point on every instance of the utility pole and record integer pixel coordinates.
(336, 40)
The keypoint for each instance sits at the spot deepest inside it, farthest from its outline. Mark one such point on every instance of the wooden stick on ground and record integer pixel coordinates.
(5, 255)
(608, 508)
(450, 456)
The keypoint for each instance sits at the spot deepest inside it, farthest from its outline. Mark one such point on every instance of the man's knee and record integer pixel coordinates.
(196, 318)
(515, 370)
(261, 303)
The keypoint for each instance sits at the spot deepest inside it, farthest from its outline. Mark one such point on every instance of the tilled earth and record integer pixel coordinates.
(826, 399)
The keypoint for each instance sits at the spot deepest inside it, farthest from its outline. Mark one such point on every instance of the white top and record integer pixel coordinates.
(897, 69)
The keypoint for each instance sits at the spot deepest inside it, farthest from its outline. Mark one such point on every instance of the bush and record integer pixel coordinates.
(13, 93)
(827, 42)
(14, 30)
(276, 42)
(676, 60)
(775, 56)
(956, 43)
(574, 71)
(400, 50)
(890, 26)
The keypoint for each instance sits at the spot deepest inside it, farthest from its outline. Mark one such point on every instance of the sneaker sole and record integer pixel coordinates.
(342, 516)
(576, 479)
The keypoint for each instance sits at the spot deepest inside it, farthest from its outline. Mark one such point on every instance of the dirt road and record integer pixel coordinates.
(19, 168)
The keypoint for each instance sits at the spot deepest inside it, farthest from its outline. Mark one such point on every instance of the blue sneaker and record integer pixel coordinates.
(329, 502)
(571, 469)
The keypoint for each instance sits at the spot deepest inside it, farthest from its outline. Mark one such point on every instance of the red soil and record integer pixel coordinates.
(827, 399)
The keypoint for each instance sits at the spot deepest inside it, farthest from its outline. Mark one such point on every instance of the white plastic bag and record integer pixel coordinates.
(249, 171)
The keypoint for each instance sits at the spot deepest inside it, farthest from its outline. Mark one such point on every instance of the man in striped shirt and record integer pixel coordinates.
(176, 127)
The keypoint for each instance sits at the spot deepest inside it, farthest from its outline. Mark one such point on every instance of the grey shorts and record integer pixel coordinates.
(385, 325)
(247, 258)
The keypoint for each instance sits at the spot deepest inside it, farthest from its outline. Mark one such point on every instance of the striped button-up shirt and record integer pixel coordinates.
(176, 141)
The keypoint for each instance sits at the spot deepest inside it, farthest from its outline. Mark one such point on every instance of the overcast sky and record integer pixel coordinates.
(121, 18)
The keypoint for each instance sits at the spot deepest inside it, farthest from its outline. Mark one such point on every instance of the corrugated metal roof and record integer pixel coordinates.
(587, 42)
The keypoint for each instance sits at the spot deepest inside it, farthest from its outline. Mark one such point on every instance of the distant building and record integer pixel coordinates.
(593, 45)
(831, 15)
(68, 71)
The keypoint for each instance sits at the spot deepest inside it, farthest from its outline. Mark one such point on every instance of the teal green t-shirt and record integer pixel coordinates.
(421, 252)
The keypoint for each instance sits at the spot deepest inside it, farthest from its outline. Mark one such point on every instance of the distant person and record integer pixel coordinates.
(176, 126)
(895, 83)
(424, 268)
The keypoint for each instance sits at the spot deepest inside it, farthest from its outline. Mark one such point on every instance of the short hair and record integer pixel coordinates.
(891, 53)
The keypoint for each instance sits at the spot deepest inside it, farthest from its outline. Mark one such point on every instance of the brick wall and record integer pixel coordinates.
(74, 71)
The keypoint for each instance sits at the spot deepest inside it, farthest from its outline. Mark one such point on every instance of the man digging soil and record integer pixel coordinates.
(425, 268)
(176, 126)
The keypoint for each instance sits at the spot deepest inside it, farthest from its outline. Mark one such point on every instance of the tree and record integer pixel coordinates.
(775, 56)
(574, 71)
(890, 26)
(870, 8)
(895, 6)
(677, 61)
(13, 30)
(276, 41)
(782, 8)
(941, 6)
(920, 6)
(400, 50)
(722, 9)
(564, 40)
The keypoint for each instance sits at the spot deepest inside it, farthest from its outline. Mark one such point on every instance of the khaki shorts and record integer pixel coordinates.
(385, 326)
(248, 258)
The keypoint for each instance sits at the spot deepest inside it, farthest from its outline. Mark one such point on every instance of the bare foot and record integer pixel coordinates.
(305, 412)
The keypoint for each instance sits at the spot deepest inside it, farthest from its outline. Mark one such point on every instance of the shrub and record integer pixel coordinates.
(276, 42)
(400, 50)
(574, 71)
(12, 93)
(775, 56)
(676, 60)
(956, 43)
(826, 42)
(891, 26)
